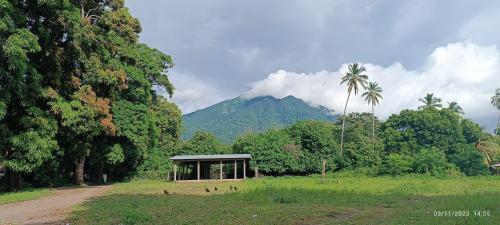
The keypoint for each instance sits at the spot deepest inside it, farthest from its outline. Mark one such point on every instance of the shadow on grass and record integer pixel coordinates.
(284, 206)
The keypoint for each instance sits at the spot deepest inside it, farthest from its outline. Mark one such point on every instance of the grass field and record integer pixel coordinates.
(26, 194)
(341, 199)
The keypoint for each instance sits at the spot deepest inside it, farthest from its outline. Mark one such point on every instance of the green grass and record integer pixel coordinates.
(341, 199)
(24, 195)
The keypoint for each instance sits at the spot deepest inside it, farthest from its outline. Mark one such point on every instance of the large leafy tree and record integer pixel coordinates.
(317, 143)
(273, 152)
(409, 132)
(430, 102)
(361, 149)
(355, 79)
(106, 59)
(27, 131)
(495, 101)
(203, 143)
(77, 65)
(372, 96)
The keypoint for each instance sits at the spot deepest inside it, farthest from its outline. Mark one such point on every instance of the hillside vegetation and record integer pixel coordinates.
(231, 118)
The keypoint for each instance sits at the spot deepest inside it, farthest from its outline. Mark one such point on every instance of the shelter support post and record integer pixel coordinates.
(235, 169)
(198, 170)
(175, 172)
(220, 169)
(244, 169)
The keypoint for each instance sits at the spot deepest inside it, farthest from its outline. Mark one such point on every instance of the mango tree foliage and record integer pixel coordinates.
(411, 132)
(316, 140)
(361, 148)
(430, 160)
(273, 152)
(203, 143)
(80, 64)
(398, 164)
(470, 161)
(27, 130)
(31, 147)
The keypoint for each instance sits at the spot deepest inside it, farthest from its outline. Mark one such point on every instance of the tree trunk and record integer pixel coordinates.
(323, 172)
(13, 181)
(373, 124)
(343, 126)
(79, 171)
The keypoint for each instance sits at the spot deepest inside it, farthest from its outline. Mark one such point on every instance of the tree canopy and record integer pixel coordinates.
(75, 83)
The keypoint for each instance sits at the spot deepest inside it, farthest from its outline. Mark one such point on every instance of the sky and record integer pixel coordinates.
(223, 49)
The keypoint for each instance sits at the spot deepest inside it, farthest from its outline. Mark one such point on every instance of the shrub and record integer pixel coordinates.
(398, 164)
(273, 152)
(431, 161)
(470, 161)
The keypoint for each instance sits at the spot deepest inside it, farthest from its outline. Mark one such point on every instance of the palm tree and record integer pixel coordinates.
(495, 101)
(354, 79)
(455, 107)
(430, 102)
(372, 96)
(487, 146)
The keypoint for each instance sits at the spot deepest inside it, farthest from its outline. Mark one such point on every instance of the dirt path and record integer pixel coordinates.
(52, 209)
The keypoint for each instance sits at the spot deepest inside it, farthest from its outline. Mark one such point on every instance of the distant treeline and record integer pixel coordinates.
(433, 141)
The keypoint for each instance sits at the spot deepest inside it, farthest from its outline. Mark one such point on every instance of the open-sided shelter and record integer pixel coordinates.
(210, 167)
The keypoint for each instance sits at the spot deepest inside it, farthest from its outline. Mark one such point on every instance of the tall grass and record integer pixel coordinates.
(340, 199)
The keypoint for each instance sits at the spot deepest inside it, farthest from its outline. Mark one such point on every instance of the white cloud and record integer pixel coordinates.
(463, 72)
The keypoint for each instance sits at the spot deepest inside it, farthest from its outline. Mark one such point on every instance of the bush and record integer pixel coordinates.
(398, 164)
(470, 162)
(431, 161)
(273, 152)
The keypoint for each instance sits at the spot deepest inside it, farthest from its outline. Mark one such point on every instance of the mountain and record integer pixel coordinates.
(231, 118)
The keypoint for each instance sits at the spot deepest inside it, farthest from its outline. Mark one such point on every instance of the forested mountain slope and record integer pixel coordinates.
(233, 117)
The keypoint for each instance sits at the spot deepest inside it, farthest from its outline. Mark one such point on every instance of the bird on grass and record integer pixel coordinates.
(166, 192)
(206, 189)
(216, 189)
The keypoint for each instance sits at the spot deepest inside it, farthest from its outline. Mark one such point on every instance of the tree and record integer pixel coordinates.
(27, 131)
(430, 102)
(372, 96)
(81, 119)
(470, 161)
(78, 66)
(204, 143)
(495, 101)
(361, 149)
(398, 164)
(273, 152)
(410, 130)
(455, 107)
(28, 149)
(489, 146)
(355, 79)
(316, 141)
(430, 160)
